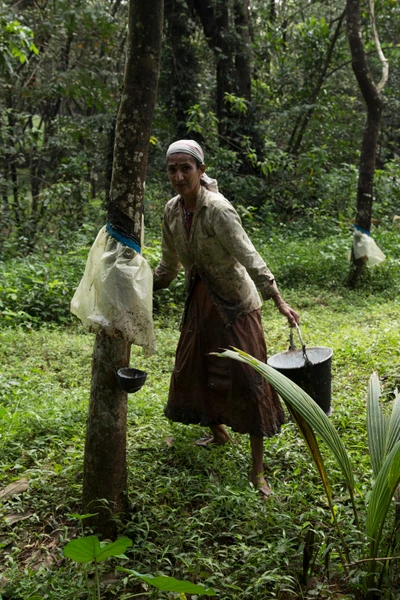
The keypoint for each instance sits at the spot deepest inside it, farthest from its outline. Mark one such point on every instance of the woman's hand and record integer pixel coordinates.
(292, 316)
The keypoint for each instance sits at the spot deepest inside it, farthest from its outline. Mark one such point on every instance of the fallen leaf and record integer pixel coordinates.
(14, 517)
(16, 487)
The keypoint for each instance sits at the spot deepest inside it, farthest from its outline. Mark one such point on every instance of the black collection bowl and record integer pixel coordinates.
(131, 380)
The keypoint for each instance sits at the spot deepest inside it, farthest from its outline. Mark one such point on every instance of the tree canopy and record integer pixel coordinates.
(266, 87)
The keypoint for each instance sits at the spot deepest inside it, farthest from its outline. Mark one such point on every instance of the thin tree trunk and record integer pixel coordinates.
(16, 209)
(185, 65)
(14, 183)
(373, 100)
(226, 75)
(244, 71)
(105, 473)
(5, 206)
(244, 53)
(303, 120)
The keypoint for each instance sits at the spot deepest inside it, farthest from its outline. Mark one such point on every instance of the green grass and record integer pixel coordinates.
(193, 513)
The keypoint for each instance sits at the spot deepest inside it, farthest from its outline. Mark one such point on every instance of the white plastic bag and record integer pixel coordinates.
(116, 293)
(364, 245)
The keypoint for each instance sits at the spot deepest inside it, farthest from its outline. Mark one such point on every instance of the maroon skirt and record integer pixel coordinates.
(209, 390)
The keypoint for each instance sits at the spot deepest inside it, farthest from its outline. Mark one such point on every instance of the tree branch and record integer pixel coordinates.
(348, 62)
(384, 61)
(359, 57)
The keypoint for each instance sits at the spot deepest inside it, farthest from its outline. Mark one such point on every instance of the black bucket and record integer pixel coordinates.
(130, 380)
(310, 368)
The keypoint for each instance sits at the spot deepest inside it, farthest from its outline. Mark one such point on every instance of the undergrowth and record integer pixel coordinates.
(193, 513)
(37, 288)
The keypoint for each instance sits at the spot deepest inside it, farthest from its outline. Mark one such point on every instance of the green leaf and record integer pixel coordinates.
(313, 447)
(114, 549)
(382, 493)
(81, 517)
(393, 435)
(83, 550)
(87, 549)
(170, 584)
(377, 425)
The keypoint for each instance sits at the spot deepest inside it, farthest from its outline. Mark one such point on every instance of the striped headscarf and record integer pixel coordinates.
(194, 149)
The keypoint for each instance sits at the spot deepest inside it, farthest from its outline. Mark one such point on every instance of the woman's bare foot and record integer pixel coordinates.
(219, 437)
(260, 483)
(257, 473)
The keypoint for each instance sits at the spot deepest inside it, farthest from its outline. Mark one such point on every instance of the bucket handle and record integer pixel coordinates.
(292, 345)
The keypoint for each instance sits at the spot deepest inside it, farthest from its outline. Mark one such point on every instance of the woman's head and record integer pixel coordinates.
(187, 147)
(186, 168)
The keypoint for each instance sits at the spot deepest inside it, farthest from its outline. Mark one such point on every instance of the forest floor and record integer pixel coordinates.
(193, 514)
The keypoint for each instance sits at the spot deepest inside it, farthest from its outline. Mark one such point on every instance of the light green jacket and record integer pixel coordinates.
(219, 250)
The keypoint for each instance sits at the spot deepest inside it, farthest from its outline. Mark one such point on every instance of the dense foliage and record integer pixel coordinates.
(284, 139)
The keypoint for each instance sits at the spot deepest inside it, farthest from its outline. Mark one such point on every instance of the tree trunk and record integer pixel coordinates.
(244, 72)
(109, 161)
(185, 65)
(372, 98)
(5, 207)
(244, 53)
(226, 25)
(14, 183)
(226, 74)
(104, 476)
(16, 209)
(215, 19)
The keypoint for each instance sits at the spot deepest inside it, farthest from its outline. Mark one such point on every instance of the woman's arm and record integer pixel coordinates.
(292, 316)
(169, 265)
(230, 232)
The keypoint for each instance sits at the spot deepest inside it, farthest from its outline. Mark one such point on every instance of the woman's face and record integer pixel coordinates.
(184, 174)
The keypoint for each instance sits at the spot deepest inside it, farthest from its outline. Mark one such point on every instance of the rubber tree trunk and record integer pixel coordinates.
(105, 472)
(373, 100)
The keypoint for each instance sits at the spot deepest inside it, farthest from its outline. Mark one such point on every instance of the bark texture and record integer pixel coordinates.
(136, 109)
(373, 101)
(105, 476)
(105, 473)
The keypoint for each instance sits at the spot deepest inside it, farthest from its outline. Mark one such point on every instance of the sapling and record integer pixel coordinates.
(89, 549)
(384, 447)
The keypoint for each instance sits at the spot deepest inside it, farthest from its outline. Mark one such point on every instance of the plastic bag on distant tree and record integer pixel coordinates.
(364, 245)
(116, 293)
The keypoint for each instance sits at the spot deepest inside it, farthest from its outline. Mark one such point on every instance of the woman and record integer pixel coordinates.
(202, 232)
